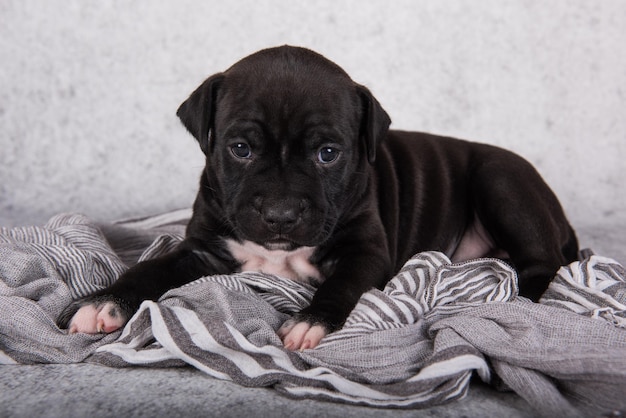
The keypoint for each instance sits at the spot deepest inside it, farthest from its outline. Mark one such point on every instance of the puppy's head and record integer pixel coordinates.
(288, 137)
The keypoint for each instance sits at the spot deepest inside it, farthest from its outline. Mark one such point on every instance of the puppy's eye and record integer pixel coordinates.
(327, 155)
(241, 150)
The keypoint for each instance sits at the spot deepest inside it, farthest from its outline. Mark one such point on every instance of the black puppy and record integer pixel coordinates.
(304, 180)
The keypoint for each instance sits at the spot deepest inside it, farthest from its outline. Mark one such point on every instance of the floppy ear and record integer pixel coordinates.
(198, 111)
(374, 122)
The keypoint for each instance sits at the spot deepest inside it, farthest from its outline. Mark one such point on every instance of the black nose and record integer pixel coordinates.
(282, 216)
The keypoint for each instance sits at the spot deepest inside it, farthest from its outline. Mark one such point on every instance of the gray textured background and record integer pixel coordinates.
(89, 90)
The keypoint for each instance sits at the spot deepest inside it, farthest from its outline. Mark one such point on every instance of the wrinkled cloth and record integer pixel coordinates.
(416, 343)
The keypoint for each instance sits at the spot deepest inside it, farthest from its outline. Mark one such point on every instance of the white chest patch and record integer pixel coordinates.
(294, 265)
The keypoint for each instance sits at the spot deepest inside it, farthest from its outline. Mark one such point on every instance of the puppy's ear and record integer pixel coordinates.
(374, 122)
(198, 111)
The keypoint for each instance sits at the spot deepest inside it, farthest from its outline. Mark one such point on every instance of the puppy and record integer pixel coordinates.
(303, 179)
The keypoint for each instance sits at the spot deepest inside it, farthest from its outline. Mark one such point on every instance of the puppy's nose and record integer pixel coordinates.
(281, 218)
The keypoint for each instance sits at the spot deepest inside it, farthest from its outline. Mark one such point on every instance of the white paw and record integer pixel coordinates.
(97, 318)
(300, 335)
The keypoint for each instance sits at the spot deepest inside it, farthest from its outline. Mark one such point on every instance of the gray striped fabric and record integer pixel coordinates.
(414, 344)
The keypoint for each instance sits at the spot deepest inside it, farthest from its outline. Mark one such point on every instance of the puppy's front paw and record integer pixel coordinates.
(96, 319)
(301, 334)
(93, 316)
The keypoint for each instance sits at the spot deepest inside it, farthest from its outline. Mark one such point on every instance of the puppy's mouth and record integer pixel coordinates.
(280, 244)
(306, 231)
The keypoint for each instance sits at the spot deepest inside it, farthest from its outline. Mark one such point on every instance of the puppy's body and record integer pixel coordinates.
(303, 179)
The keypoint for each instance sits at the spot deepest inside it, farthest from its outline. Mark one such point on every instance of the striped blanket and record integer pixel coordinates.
(417, 343)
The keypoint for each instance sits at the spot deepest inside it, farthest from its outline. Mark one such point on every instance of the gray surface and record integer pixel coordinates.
(84, 390)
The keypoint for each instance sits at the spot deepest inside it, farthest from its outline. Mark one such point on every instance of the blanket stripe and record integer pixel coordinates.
(593, 287)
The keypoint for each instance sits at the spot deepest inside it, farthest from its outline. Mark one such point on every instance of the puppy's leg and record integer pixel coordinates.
(526, 220)
(360, 269)
(110, 308)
